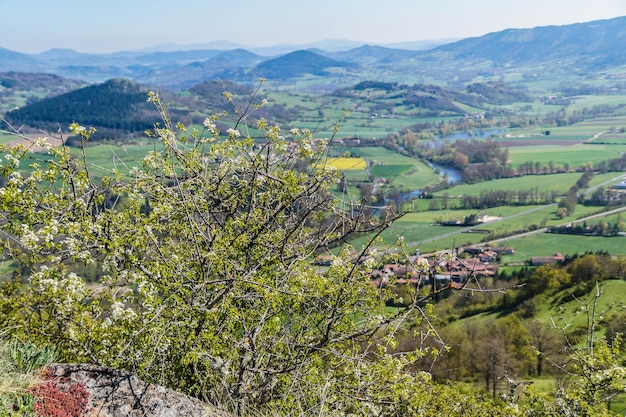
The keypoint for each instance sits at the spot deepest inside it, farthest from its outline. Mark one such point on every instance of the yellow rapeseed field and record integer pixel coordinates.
(347, 164)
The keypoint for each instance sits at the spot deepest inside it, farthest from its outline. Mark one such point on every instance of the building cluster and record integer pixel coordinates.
(453, 269)
(456, 270)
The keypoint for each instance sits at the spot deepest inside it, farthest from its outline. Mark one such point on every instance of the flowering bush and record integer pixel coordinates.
(204, 245)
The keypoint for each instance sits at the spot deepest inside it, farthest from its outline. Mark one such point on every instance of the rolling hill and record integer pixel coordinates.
(223, 65)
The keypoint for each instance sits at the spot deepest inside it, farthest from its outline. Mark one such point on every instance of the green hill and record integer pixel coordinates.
(296, 64)
(116, 107)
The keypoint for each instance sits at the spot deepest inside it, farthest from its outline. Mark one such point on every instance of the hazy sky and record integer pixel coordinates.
(115, 25)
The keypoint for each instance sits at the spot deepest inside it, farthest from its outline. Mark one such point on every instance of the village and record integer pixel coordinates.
(453, 269)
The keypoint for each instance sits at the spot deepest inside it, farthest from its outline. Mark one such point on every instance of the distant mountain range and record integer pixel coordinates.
(577, 48)
(589, 46)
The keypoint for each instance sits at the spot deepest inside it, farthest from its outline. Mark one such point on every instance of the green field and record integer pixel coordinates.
(558, 183)
(546, 244)
(399, 171)
(417, 227)
(575, 155)
(6, 138)
(585, 130)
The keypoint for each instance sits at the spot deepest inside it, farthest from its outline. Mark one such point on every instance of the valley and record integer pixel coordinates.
(503, 173)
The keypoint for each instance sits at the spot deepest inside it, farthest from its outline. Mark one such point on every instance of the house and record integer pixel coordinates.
(351, 141)
(401, 271)
(506, 250)
(403, 274)
(488, 256)
(452, 222)
(620, 186)
(473, 250)
(379, 277)
(459, 270)
(545, 260)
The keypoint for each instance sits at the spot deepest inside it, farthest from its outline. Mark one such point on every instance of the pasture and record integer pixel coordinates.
(558, 183)
(590, 130)
(554, 183)
(545, 244)
(574, 155)
(418, 228)
(398, 171)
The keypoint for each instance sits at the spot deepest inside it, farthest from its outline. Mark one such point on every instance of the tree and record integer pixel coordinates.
(546, 343)
(460, 160)
(494, 360)
(546, 279)
(619, 223)
(205, 246)
(588, 268)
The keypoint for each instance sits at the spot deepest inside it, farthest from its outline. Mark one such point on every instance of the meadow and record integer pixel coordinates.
(574, 155)
(398, 171)
(545, 244)
(417, 228)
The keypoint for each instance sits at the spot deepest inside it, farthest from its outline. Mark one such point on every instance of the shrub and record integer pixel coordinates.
(208, 287)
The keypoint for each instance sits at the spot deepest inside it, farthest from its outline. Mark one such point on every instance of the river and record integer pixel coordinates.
(455, 176)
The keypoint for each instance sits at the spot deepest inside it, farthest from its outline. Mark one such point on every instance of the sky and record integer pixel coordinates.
(103, 26)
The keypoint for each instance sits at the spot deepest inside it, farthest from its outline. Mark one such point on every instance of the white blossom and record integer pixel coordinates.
(209, 124)
(29, 238)
(233, 133)
(43, 143)
(118, 312)
(15, 178)
(422, 265)
(12, 160)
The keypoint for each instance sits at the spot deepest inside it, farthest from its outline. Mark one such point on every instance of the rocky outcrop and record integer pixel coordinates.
(113, 393)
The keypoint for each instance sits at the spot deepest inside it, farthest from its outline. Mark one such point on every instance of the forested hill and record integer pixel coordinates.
(118, 107)
(213, 93)
(115, 107)
(296, 64)
(592, 45)
(434, 99)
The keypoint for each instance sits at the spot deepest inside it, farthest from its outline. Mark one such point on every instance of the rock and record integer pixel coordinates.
(114, 393)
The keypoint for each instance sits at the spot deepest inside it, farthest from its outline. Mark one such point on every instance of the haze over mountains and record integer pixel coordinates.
(578, 48)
